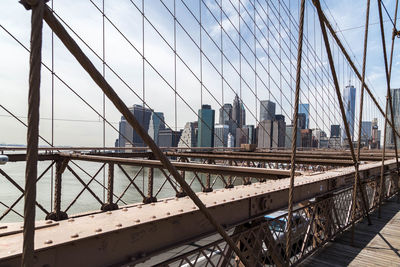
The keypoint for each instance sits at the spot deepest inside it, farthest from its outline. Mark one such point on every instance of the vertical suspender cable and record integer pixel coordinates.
(294, 136)
(355, 190)
(52, 111)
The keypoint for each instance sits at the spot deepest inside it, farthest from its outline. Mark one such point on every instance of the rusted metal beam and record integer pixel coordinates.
(184, 166)
(299, 160)
(327, 159)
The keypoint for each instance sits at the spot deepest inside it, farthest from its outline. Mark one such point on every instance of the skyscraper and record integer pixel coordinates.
(189, 135)
(157, 123)
(306, 137)
(225, 114)
(245, 135)
(142, 114)
(396, 114)
(221, 135)
(375, 138)
(205, 137)
(288, 136)
(265, 129)
(366, 132)
(278, 131)
(125, 137)
(335, 130)
(349, 102)
(267, 110)
(238, 112)
(305, 109)
(302, 121)
(169, 138)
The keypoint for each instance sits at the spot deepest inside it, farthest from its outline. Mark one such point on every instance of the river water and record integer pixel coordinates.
(71, 188)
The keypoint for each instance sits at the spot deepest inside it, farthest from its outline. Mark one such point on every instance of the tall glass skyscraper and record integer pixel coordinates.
(157, 123)
(349, 102)
(366, 131)
(267, 110)
(305, 109)
(396, 114)
(225, 114)
(238, 112)
(142, 114)
(205, 137)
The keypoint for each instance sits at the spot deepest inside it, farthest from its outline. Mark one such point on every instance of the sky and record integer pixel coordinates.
(265, 69)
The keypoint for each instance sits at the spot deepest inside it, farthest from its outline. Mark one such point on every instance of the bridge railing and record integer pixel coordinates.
(71, 183)
(263, 241)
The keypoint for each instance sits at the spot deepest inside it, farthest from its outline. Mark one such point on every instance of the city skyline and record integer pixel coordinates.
(271, 132)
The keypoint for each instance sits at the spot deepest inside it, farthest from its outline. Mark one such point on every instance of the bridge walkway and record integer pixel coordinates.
(374, 245)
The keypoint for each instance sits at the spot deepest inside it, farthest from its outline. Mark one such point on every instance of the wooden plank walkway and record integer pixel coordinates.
(374, 245)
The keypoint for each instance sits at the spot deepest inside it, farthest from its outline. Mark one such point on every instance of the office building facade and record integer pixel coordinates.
(335, 130)
(267, 110)
(205, 136)
(221, 135)
(126, 132)
(225, 114)
(396, 114)
(349, 102)
(238, 112)
(189, 135)
(157, 123)
(169, 138)
(305, 109)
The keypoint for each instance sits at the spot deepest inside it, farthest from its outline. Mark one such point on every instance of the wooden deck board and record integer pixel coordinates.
(374, 245)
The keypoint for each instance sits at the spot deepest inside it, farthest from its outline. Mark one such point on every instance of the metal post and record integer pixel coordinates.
(110, 205)
(57, 214)
(150, 187)
(208, 180)
(230, 185)
(182, 193)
